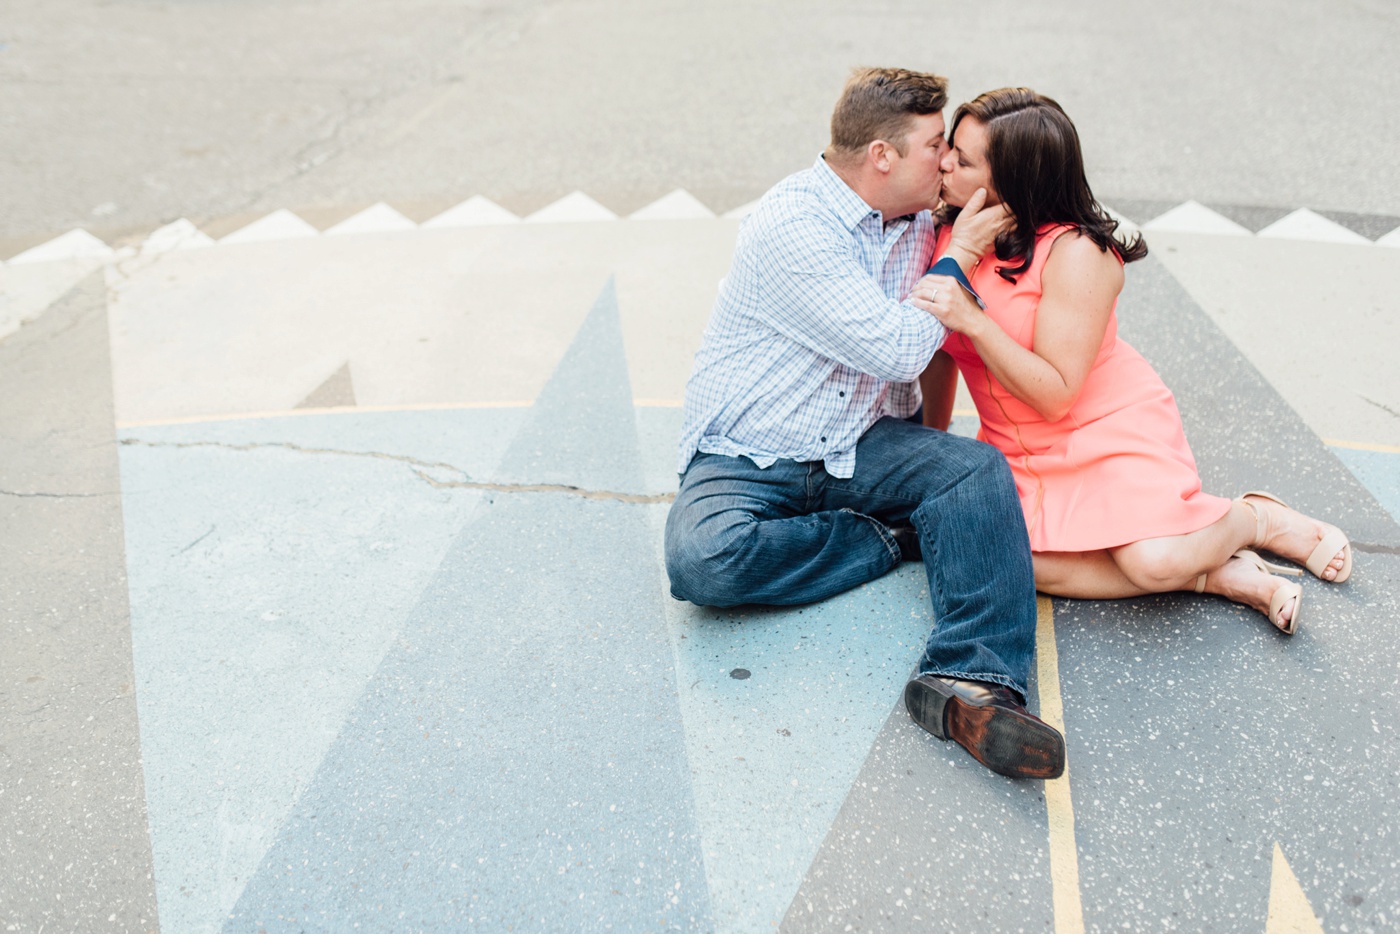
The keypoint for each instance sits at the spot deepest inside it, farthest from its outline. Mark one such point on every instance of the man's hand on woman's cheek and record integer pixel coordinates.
(977, 227)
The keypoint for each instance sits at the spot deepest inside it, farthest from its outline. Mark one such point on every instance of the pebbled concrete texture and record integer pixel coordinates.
(305, 583)
(581, 432)
(75, 853)
(928, 840)
(457, 770)
(339, 483)
(1199, 739)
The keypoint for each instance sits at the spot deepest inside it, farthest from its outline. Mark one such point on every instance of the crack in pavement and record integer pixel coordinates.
(420, 469)
(197, 540)
(548, 488)
(1380, 405)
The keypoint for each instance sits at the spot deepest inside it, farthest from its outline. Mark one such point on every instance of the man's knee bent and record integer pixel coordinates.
(701, 563)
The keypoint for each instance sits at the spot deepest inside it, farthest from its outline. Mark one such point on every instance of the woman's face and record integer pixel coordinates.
(965, 167)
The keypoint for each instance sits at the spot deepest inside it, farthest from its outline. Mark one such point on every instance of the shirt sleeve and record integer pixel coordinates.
(815, 293)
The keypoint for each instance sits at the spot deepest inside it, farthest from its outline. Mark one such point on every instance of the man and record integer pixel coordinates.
(802, 473)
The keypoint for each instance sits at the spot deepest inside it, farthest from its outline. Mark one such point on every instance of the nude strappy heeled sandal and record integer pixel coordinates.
(1282, 593)
(1332, 541)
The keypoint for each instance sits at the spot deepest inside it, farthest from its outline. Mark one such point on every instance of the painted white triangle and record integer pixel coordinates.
(774, 752)
(1289, 911)
(679, 205)
(1125, 226)
(476, 211)
(378, 218)
(1194, 217)
(27, 290)
(75, 244)
(1390, 239)
(742, 211)
(571, 208)
(1303, 224)
(177, 235)
(279, 225)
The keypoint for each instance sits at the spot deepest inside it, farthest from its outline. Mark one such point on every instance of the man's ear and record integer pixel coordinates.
(880, 155)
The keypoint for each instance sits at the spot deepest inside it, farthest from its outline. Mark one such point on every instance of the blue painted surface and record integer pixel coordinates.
(774, 753)
(582, 431)
(266, 585)
(658, 428)
(518, 759)
(1378, 471)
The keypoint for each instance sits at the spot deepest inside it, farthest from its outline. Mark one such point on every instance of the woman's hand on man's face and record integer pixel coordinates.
(978, 225)
(946, 299)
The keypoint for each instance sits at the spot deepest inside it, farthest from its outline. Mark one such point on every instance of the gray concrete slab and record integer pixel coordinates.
(123, 116)
(1199, 739)
(74, 849)
(928, 840)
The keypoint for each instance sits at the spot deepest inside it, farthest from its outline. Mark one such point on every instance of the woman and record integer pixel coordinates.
(1109, 487)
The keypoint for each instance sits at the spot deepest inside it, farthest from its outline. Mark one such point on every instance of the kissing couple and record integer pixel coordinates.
(814, 454)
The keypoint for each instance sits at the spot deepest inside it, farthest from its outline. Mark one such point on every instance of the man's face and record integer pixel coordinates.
(916, 179)
(965, 165)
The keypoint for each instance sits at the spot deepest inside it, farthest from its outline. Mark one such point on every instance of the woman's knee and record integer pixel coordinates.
(1154, 565)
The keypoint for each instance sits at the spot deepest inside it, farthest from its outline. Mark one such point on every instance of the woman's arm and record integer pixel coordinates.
(939, 384)
(1079, 284)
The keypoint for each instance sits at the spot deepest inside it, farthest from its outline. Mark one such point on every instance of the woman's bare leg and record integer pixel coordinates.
(1173, 563)
(1158, 565)
(1083, 575)
(1095, 575)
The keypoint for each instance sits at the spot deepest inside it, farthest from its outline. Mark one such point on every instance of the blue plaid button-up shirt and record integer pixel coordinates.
(810, 341)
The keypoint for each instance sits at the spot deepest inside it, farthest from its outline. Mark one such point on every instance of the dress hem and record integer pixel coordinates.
(1164, 532)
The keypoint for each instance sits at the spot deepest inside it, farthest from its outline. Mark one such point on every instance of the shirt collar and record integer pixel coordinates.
(850, 207)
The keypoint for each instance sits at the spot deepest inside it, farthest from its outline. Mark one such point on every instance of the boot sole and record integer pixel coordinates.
(1009, 743)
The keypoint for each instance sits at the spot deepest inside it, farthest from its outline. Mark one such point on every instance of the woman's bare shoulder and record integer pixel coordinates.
(1076, 258)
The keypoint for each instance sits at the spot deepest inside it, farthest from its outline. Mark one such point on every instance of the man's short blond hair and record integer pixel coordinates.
(880, 103)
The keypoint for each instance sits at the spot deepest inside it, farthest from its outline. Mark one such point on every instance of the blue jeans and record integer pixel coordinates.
(792, 533)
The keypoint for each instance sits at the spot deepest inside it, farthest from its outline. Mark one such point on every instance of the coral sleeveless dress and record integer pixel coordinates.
(1117, 468)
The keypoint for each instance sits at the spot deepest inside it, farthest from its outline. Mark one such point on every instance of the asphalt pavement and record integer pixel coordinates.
(341, 355)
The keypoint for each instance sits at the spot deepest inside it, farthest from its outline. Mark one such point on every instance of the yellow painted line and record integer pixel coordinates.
(336, 410)
(1289, 911)
(972, 412)
(1362, 446)
(1064, 852)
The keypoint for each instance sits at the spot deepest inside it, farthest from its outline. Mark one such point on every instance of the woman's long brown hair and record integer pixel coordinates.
(1038, 171)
